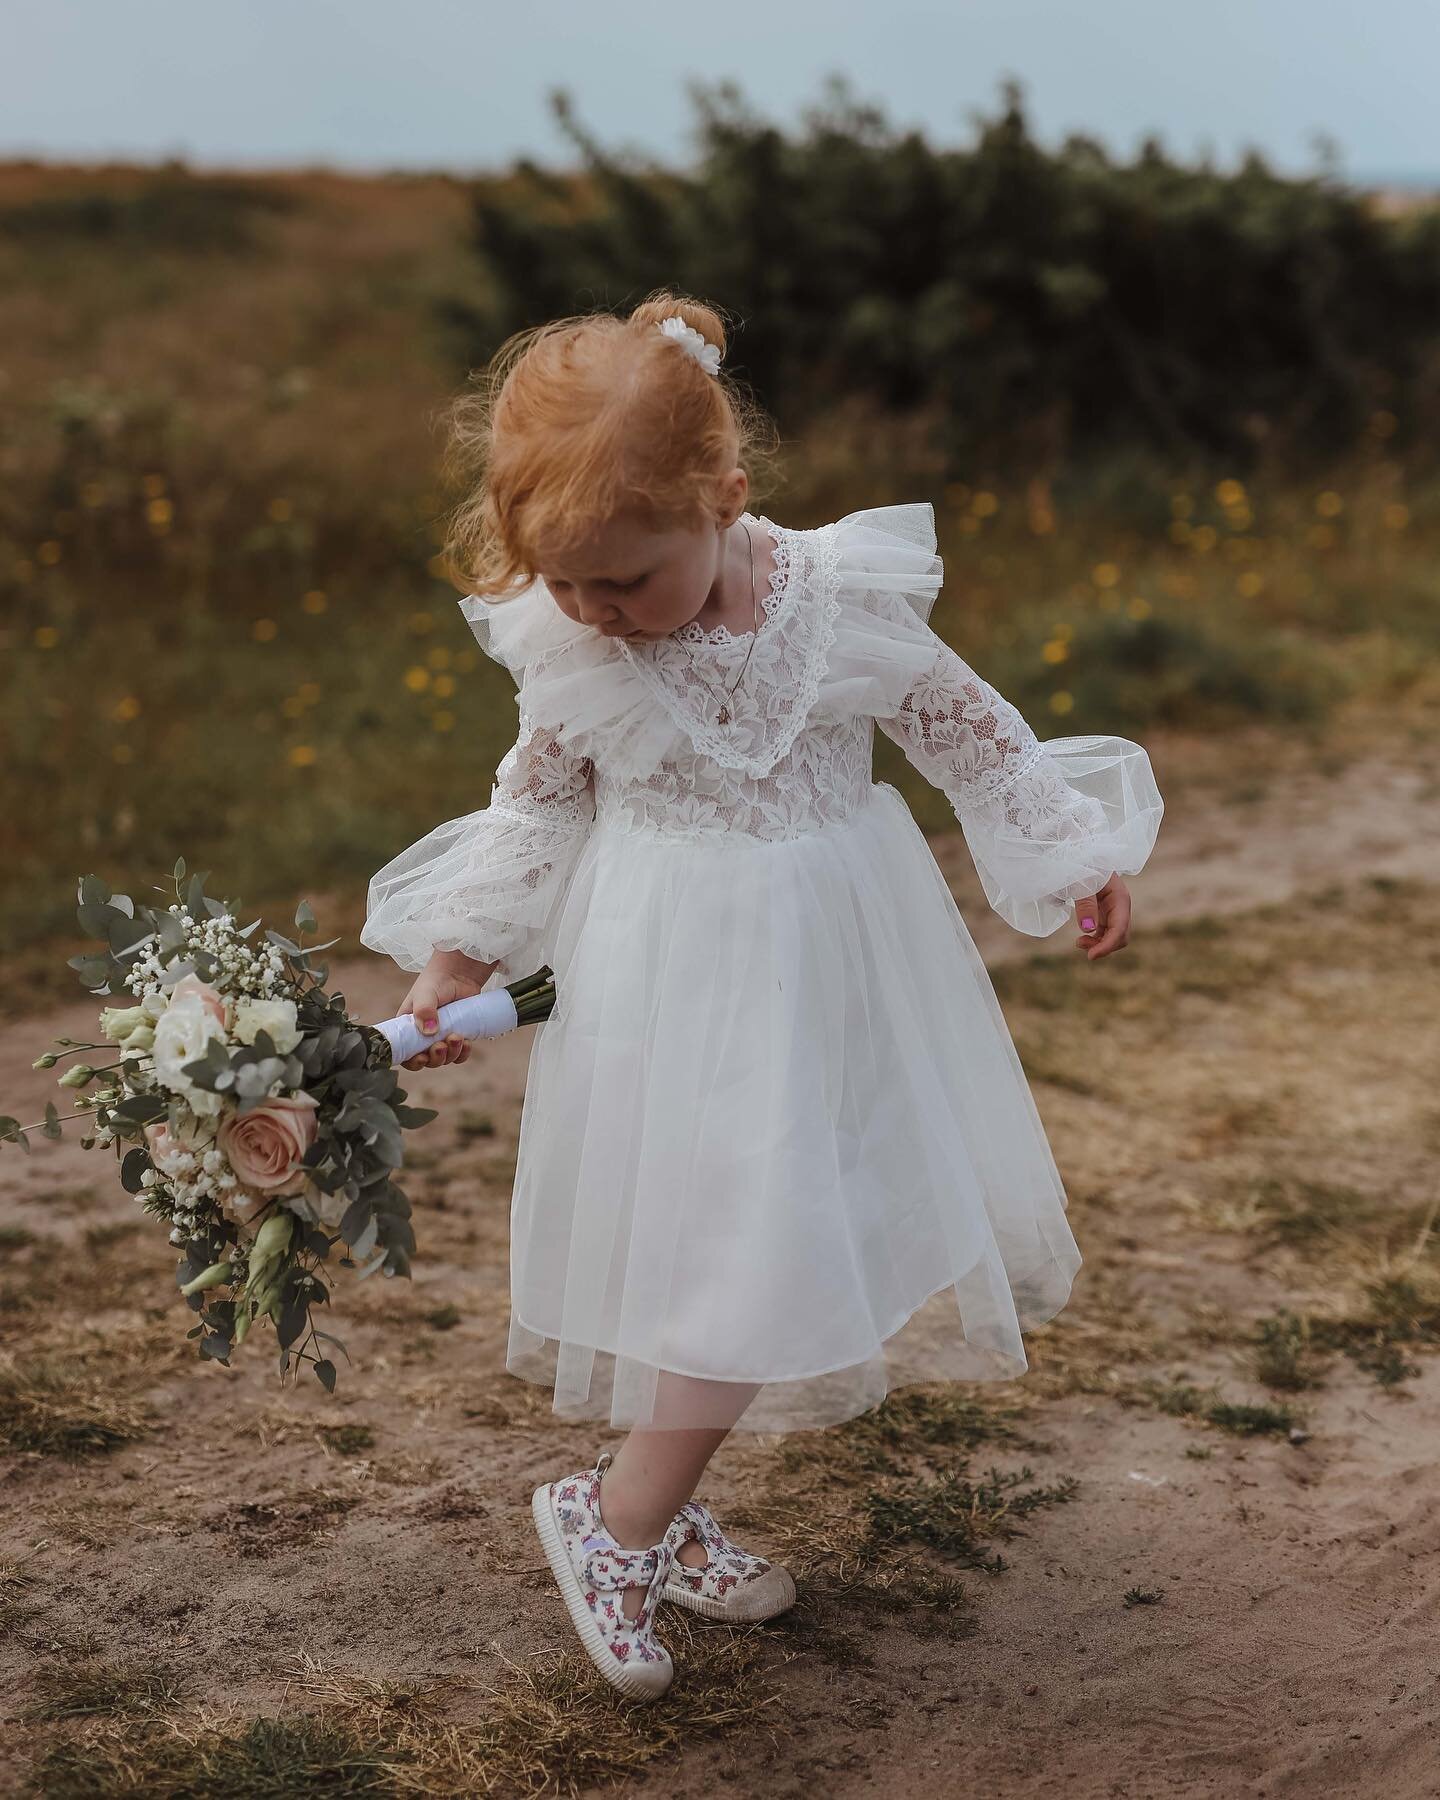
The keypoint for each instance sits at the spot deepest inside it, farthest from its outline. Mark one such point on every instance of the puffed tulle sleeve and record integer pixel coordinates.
(485, 883)
(1046, 822)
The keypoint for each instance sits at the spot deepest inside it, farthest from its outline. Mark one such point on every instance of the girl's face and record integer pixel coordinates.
(628, 580)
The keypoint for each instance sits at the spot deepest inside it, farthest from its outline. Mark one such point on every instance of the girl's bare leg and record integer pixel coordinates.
(657, 1469)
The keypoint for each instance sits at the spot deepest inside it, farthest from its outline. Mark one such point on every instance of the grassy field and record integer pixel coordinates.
(227, 636)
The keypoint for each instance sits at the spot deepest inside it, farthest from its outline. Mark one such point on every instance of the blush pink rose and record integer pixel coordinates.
(196, 1139)
(161, 1143)
(209, 998)
(238, 1202)
(264, 1146)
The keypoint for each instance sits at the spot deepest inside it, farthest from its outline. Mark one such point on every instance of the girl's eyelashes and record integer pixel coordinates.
(620, 587)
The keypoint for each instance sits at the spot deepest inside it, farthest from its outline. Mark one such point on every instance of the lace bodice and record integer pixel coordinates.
(646, 738)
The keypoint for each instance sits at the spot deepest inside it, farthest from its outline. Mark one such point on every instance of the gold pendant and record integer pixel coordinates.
(724, 715)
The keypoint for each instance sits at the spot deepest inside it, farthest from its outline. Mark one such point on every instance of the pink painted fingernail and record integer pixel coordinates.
(1089, 924)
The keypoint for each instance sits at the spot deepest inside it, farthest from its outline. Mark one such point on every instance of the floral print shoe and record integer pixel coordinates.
(731, 1584)
(593, 1571)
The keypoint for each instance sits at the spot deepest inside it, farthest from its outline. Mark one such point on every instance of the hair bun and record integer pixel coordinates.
(695, 314)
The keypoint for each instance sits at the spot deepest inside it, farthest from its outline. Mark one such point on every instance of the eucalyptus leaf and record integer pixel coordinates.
(95, 917)
(324, 1337)
(253, 1079)
(125, 935)
(367, 1239)
(140, 1109)
(398, 1233)
(171, 933)
(391, 1200)
(293, 1312)
(357, 1219)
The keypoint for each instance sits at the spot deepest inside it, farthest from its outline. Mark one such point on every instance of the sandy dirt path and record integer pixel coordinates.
(262, 1542)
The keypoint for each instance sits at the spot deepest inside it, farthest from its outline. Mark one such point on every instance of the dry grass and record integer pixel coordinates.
(549, 1726)
(70, 1403)
(845, 1509)
(94, 1687)
(1250, 1101)
(18, 1604)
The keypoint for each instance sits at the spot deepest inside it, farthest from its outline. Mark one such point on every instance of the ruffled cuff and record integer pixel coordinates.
(485, 884)
(887, 575)
(1087, 809)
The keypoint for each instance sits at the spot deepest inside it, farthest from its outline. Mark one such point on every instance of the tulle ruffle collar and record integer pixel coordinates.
(845, 634)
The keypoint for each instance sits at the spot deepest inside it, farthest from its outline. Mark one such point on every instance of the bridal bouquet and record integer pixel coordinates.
(247, 1110)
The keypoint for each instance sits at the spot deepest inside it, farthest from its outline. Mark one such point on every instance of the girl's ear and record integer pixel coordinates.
(734, 492)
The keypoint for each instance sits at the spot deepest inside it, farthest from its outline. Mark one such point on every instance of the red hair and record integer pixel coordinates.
(574, 421)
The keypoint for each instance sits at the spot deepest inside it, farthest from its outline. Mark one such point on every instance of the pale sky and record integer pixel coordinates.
(461, 84)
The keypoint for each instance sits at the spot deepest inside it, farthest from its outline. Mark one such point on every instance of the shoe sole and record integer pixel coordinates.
(773, 1593)
(640, 1681)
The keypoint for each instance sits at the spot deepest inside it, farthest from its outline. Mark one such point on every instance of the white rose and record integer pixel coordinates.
(153, 1005)
(183, 1031)
(275, 1016)
(117, 1022)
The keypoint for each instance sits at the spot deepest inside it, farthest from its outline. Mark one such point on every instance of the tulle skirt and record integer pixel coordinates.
(778, 1155)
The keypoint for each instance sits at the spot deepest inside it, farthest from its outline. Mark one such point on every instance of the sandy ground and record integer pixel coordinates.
(1209, 1611)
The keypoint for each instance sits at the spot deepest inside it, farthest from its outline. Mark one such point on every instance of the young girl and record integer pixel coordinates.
(777, 1153)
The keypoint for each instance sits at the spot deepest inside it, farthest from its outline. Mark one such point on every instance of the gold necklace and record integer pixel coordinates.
(723, 716)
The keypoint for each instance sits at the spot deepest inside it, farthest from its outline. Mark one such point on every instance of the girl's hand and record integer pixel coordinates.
(449, 975)
(1104, 919)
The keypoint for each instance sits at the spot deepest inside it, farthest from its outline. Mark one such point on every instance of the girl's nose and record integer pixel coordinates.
(597, 611)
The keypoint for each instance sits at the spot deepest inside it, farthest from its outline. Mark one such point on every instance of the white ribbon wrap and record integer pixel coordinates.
(480, 1016)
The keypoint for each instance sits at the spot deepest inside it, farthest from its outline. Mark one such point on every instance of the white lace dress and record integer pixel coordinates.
(776, 1132)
